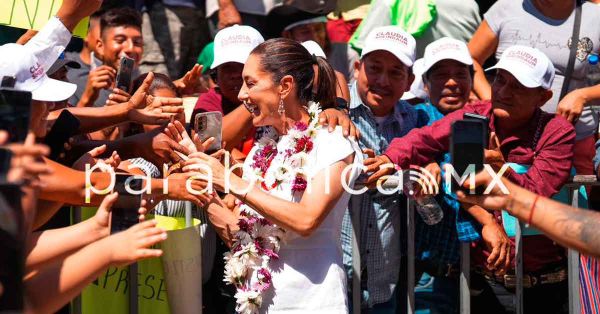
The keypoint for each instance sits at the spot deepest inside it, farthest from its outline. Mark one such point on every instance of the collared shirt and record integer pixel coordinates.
(379, 214)
(550, 161)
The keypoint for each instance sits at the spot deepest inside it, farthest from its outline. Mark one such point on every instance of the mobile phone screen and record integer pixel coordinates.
(467, 145)
(125, 210)
(209, 124)
(15, 108)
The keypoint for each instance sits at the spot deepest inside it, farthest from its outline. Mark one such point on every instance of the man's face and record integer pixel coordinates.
(38, 119)
(448, 84)
(511, 100)
(229, 79)
(381, 80)
(118, 41)
(314, 31)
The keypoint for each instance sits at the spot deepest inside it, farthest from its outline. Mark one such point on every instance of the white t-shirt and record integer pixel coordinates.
(518, 22)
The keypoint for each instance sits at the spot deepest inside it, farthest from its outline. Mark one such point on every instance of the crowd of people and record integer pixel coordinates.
(314, 117)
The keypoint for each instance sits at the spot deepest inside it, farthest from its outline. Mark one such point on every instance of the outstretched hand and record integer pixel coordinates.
(190, 83)
(147, 109)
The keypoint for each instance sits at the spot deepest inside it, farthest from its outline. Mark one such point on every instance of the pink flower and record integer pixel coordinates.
(301, 126)
(299, 184)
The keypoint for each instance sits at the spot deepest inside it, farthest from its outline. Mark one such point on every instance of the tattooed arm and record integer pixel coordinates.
(571, 227)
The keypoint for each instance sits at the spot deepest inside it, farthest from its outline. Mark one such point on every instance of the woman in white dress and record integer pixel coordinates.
(285, 234)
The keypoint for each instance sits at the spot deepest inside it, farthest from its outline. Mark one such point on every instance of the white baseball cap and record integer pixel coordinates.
(19, 62)
(529, 66)
(234, 44)
(314, 48)
(446, 49)
(392, 39)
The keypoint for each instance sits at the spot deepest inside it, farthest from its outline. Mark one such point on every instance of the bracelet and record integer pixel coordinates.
(531, 211)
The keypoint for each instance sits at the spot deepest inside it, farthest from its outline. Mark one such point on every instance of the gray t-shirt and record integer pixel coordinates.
(79, 77)
(518, 22)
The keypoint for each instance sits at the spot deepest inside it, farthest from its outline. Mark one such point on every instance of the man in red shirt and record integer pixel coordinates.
(521, 133)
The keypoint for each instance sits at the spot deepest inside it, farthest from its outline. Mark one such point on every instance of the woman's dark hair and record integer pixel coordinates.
(160, 81)
(281, 57)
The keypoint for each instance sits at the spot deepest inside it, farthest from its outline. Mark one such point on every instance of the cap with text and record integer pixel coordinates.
(234, 44)
(446, 49)
(529, 66)
(392, 39)
(19, 62)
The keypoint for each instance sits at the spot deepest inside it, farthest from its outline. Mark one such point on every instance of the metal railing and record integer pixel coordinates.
(406, 285)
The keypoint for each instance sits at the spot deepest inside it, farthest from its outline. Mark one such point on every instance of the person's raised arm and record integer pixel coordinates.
(51, 287)
(571, 227)
(228, 14)
(304, 217)
(482, 45)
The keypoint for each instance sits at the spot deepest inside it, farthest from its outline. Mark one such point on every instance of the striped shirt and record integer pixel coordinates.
(379, 214)
(176, 208)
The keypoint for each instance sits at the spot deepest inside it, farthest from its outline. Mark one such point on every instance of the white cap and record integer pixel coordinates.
(19, 62)
(234, 44)
(392, 39)
(314, 48)
(417, 88)
(529, 66)
(446, 49)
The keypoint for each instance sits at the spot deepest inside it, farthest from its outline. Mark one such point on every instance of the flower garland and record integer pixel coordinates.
(258, 240)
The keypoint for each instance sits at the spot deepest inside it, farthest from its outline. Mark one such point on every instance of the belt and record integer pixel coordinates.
(440, 270)
(529, 280)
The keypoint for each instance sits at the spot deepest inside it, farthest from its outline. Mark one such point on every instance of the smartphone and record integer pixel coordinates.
(124, 213)
(15, 109)
(209, 124)
(124, 74)
(65, 126)
(466, 146)
(486, 123)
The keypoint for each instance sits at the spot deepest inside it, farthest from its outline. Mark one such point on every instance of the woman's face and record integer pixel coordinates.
(38, 119)
(260, 95)
(164, 92)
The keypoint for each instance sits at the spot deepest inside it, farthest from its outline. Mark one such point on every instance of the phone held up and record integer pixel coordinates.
(467, 143)
(124, 76)
(207, 125)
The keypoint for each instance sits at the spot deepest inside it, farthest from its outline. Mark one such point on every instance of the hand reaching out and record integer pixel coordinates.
(134, 244)
(145, 109)
(190, 83)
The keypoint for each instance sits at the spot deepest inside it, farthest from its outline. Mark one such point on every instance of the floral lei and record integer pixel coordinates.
(258, 240)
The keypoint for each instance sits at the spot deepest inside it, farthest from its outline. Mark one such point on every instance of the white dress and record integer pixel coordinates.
(308, 277)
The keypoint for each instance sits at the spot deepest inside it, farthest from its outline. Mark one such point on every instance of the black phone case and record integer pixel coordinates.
(15, 109)
(66, 126)
(467, 142)
(123, 81)
(125, 210)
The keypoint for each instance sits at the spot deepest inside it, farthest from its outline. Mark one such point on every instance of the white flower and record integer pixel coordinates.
(295, 133)
(235, 271)
(244, 238)
(248, 255)
(248, 302)
(298, 160)
(266, 140)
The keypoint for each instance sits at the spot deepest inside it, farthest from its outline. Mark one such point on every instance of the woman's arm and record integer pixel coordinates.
(304, 217)
(482, 45)
(571, 106)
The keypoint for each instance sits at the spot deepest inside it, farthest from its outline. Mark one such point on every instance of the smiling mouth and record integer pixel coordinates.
(252, 108)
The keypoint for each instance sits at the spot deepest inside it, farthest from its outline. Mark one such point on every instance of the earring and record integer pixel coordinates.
(281, 108)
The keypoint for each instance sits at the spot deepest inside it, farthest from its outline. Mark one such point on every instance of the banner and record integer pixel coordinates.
(33, 14)
(109, 293)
